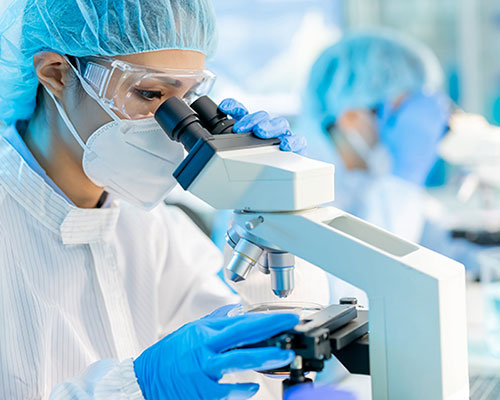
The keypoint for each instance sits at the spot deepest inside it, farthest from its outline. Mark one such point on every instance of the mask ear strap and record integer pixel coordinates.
(66, 119)
(377, 159)
(358, 144)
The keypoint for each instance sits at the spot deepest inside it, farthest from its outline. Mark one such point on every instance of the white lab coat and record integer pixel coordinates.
(83, 291)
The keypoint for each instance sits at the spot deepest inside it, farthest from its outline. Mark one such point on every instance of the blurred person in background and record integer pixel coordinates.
(375, 109)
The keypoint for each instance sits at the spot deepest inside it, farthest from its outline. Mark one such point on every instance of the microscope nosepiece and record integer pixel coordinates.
(245, 256)
(282, 267)
(232, 237)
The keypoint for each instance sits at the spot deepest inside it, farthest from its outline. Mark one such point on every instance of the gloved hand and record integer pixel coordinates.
(309, 392)
(261, 125)
(188, 363)
(411, 134)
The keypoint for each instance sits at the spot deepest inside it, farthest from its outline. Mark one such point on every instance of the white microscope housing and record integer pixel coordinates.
(418, 342)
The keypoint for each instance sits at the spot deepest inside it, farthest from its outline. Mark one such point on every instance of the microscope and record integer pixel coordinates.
(416, 346)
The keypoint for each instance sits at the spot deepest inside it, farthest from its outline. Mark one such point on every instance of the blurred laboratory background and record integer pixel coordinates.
(267, 47)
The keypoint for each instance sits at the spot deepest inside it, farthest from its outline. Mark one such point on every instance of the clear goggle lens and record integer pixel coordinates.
(136, 92)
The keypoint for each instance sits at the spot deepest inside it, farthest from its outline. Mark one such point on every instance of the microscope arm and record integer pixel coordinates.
(418, 343)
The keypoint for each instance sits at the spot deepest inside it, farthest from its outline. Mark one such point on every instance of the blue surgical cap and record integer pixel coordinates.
(91, 27)
(365, 69)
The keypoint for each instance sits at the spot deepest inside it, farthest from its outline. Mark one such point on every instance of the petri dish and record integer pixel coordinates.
(303, 309)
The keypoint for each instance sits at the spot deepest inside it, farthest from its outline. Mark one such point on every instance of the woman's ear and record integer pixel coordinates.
(52, 71)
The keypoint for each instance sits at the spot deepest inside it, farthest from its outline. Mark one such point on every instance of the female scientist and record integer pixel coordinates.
(89, 279)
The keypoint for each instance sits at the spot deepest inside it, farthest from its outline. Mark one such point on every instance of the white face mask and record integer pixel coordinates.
(376, 158)
(133, 159)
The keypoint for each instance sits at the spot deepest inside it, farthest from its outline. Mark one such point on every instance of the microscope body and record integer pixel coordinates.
(417, 321)
(418, 343)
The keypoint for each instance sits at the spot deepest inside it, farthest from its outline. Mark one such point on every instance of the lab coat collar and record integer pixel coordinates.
(74, 225)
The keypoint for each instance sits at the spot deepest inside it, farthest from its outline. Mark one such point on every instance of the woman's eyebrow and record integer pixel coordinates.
(166, 80)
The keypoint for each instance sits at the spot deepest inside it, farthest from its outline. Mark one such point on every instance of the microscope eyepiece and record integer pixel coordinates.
(180, 122)
(212, 117)
(186, 124)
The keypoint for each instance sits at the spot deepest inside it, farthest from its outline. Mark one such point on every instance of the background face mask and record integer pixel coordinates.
(376, 158)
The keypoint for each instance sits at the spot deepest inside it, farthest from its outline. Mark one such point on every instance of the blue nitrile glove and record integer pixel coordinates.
(189, 363)
(309, 392)
(412, 132)
(263, 126)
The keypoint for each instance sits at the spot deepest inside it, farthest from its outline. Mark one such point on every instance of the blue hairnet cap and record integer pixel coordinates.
(91, 27)
(364, 69)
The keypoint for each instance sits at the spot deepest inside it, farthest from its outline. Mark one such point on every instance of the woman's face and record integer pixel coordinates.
(87, 115)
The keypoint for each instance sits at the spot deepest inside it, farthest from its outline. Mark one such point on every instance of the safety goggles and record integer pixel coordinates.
(135, 91)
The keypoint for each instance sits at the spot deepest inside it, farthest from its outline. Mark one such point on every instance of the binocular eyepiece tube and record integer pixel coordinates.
(186, 124)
